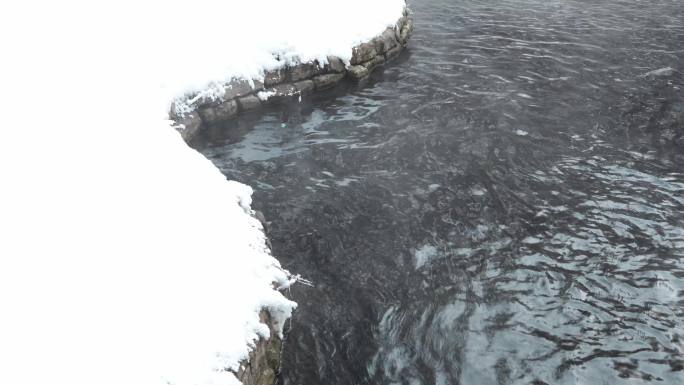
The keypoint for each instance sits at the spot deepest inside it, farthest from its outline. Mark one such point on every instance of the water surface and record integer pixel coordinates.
(503, 204)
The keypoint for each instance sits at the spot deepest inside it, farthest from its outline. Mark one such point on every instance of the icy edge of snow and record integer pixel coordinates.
(272, 300)
(383, 14)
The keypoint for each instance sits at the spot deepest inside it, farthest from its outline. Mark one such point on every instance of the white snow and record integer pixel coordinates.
(242, 39)
(125, 256)
(264, 95)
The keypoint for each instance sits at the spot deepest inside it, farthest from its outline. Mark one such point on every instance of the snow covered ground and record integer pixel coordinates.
(125, 256)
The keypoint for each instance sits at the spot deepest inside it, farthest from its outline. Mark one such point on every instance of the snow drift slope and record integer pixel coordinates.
(125, 256)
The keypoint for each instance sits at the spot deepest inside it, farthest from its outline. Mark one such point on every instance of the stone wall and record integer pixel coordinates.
(278, 86)
(292, 82)
(264, 360)
(263, 364)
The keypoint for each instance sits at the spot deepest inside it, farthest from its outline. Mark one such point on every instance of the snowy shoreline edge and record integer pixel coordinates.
(262, 364)
(293, 81)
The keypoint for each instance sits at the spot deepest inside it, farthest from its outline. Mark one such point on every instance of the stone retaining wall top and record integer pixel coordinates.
(283, 84)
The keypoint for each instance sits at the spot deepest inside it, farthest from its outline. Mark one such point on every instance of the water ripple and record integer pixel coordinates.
(502, 205)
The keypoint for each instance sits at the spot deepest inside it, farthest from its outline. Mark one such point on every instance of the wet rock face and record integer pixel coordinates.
(264, 361)
(188, 126)
(374, 63)
(292, 82)
(304, 71)
(323, 82)
(272, 78)
(249, 102)
(263, 364)
(238, 88)
(363, 53)
(335, 64)
(386, 41)
(220, 112)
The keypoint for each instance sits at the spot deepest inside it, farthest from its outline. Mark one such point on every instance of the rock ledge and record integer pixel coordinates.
(292, 82)
(264, 360)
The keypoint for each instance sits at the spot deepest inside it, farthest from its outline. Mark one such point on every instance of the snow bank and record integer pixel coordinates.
(125, 256)
(262, 35)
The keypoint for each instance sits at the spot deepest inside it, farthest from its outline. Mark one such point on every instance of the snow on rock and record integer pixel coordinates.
(266, 35)
(125, 256)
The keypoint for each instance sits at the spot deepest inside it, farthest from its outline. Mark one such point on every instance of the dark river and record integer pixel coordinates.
(503, 204)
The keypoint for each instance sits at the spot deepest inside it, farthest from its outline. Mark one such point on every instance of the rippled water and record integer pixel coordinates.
(504, 204)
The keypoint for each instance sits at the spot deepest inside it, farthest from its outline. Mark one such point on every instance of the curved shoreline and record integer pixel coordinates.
(262, 365)
(292, 82)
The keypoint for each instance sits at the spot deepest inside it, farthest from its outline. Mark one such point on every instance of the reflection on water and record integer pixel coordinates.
(504, 204)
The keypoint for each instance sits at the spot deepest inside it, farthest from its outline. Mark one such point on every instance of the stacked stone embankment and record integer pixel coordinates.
(294, 81)
(264, 360)
(263, 364)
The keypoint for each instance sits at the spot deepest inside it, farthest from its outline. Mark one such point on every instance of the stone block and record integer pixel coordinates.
(304, 87)
(386, 41)
(394, 52)
(249, 102)
(322, 82)
(238, 88)
(303, 71)
(272, 78)
(363, 53)
(374, 63)
(263, 363)
(357, 72)
(406, 31)
(335, 64)
(188, 126)
(401, 22)
(212, 114)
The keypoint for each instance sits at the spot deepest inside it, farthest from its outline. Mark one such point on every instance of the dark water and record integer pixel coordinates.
(504, 204)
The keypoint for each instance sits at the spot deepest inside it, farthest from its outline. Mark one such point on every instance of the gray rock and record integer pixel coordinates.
(374, 63)
(363, 53)
(272, 78)
(304, 71)
(260, 216)
(220, 112)
(397, 34)
(357, 72)
(322, 82)
(386, 41)
(406, 31)
(304, 87)
(263, 363)
(394, 52)
(188, 126)
(401, 22)
(249, 102)
(335, 64)
(238, 88)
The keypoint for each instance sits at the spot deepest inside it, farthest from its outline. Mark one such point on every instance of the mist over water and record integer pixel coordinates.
(503, 204)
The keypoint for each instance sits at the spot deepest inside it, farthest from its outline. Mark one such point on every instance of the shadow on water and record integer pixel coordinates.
(502, 205)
